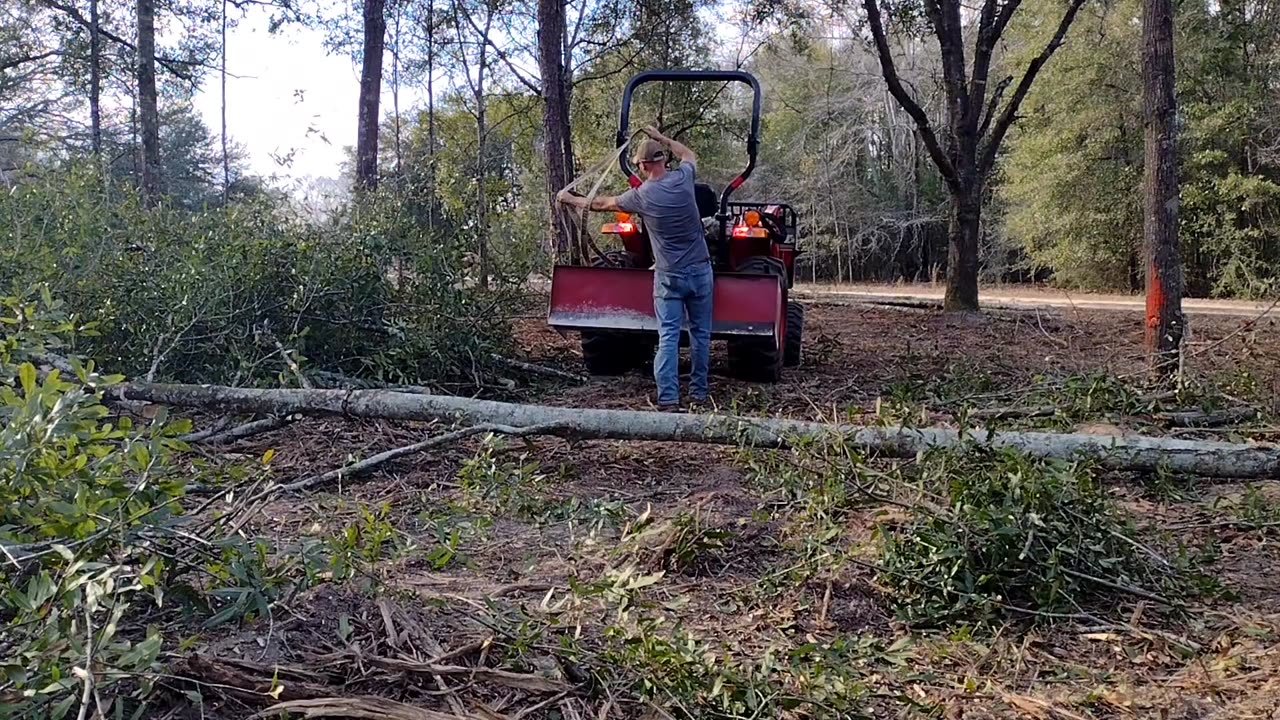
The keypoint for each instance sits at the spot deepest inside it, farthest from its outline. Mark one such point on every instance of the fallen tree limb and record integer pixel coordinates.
(254, 682)
(1210, 459)
(1010, 413)
(371, 463)
(532, 369)
(202, 435)
(519, 681)
(248, 429)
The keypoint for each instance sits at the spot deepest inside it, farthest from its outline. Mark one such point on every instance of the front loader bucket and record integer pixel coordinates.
(621, 299)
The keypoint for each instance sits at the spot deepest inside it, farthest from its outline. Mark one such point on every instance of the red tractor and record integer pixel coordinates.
(753, 246)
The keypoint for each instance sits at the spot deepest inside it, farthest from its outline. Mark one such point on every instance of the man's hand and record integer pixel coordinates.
(564, 197)
(654, 133)
(677, 148)
(601, 203)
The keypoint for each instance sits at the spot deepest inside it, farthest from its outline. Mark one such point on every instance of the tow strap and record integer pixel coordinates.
(585, 242)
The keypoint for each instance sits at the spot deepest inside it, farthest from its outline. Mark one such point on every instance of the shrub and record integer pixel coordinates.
(212, 296)
(93, 538)
(77, 492)
(1016, 533)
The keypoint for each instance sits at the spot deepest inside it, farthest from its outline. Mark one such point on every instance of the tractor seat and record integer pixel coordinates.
(708, 201)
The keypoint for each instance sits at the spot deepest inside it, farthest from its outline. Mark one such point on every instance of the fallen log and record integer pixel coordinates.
(1209, 459)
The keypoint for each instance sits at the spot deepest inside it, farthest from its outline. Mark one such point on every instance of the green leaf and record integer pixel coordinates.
(27, 374)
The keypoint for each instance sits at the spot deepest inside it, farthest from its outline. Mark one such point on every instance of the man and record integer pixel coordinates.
(683, 280)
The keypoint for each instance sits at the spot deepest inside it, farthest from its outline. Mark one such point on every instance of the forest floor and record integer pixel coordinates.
(491, 579)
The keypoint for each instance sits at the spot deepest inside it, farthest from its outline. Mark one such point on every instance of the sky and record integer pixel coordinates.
(286, 96)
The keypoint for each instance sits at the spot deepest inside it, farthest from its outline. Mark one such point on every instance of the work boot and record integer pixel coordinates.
(674, 407)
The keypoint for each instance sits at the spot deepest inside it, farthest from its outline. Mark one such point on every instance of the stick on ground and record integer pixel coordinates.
(369, 464)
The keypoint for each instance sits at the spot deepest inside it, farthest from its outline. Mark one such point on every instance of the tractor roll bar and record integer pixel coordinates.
(753, 140)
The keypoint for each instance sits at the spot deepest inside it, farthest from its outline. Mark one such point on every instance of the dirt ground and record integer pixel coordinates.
(545, 564)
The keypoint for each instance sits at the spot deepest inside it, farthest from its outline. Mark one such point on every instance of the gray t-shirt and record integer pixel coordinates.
(670, 215)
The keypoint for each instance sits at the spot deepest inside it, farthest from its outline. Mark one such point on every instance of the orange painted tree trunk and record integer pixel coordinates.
(1165, 322)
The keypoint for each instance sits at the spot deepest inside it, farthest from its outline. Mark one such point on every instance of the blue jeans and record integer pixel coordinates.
(687, 290)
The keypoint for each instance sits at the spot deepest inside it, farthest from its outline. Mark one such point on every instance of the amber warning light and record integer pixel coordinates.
(621, 227)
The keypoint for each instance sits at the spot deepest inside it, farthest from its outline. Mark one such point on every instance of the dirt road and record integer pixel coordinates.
(1019, 297)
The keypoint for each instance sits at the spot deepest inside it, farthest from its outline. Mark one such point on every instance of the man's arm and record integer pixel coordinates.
(678, 148)
(601, 203)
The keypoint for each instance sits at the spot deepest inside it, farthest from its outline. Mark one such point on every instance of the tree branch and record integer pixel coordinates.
(944, 15)
(993, 104)
(990, 27)
(502, 55)
(987, 157)
(10, 63)
(80, 19)
(374, 462)
(904, 99)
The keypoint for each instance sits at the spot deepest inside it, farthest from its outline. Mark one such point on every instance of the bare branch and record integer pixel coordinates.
(165, 62)
(374, 462)
(990, 27)
(904, 99)
(502, 55)
(9, 63)
(944, 15)
(987, 157)
(993, 104)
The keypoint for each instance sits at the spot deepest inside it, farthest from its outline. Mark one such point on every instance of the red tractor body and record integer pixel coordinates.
(753, 246)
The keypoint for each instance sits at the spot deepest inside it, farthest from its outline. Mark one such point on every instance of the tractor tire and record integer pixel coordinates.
(613, 353)
(793, 350)
(755, 359)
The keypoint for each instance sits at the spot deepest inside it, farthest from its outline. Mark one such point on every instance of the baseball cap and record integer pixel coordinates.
(650, 150)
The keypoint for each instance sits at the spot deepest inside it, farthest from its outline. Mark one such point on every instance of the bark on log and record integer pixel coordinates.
(1210, 459)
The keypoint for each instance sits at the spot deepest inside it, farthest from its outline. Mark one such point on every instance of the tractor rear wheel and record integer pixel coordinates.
(792, 351)
(613, 353)
(758, 359)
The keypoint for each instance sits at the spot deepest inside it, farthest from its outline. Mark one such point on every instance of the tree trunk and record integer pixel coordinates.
(395, 90)
(95, 86)
(482, 190)
(148, 105)
(226, 160)
(962, 251)
(1211, 459)
(482, 150)
(431, 111)
(557, 142)
(375, 29)
(1165, 322)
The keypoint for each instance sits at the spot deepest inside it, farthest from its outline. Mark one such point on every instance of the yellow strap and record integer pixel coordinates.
(600, 167)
